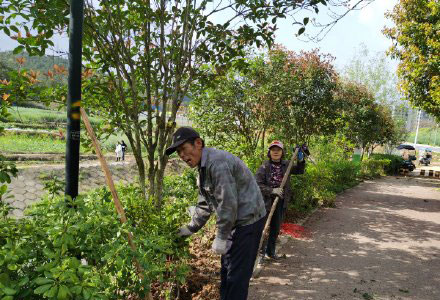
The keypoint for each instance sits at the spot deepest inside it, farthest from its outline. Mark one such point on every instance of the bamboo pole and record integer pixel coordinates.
(111, 185)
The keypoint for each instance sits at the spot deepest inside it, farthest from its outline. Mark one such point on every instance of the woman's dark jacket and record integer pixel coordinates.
(263, 177)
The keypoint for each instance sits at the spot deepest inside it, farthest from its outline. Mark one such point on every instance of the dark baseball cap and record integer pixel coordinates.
(182, 135)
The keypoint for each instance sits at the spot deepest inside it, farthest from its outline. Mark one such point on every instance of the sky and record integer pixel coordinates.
(358, 27)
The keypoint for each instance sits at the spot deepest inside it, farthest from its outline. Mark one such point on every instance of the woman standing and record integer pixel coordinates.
(269, 177)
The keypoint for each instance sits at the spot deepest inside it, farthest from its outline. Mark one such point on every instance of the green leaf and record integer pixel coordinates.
(14, 28)
(42, 289)
(12, 267)
(86, 294)
(24, 281)
(9, 291)
(306, 21)
(63, 292)
(43, 280)
(301, 30)
(8, 298)
(18, 49)
(52, 292)
(76, 289)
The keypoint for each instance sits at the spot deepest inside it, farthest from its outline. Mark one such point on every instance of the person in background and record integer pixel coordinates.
(269, 177)
(228, 189)
(118, 151)
(124, 148)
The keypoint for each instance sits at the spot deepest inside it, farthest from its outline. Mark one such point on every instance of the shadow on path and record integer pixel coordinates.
(382, 241)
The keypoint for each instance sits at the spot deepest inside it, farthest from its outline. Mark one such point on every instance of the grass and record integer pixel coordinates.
(40, 116)
(427, 136)
(35, 115)
(35, 118)
(22, 143)
(12, 142)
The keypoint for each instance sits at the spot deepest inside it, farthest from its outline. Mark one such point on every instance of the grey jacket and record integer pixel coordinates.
(228, 188)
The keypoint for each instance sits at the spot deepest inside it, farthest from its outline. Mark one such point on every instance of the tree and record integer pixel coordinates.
(147, 54)
(301, 87)
(234, 113)
(367, 123)
(375, 72)
(282, 94)
(416, 43)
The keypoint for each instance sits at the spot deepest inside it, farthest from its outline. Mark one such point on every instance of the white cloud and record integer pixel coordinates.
(373, 14)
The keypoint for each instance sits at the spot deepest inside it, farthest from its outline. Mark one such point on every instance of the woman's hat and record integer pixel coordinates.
(276, 143)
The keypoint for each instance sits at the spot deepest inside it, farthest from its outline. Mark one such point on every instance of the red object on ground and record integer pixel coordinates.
(294, 230)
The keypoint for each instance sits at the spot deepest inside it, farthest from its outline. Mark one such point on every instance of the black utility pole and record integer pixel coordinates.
(74, 97)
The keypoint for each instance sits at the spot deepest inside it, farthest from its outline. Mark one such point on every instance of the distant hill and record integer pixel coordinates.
(36, 63)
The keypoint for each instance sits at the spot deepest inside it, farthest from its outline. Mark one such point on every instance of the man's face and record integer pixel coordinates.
(276, 153)
(191, 154)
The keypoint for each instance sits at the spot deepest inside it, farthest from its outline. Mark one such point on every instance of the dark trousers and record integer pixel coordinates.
(275, 225)
(238, 262)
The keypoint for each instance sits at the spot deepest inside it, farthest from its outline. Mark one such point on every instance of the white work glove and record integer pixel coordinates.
(278, 192)
(219, 246)
(184, 232)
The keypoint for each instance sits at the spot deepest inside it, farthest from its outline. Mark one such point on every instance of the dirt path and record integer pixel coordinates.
(382, 241)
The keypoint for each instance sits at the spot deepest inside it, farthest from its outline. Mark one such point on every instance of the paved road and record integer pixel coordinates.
(27, 187)
(423, 147)
(382, 241)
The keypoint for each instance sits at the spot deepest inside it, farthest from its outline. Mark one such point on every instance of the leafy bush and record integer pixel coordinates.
(77, 249)
(393, 167)
(321, 182)
(7, 170)
(373, 168)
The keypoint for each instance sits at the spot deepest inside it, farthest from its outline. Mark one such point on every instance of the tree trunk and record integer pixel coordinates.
(159, 181)
(263, 143)
(137, 152)
(362, 154)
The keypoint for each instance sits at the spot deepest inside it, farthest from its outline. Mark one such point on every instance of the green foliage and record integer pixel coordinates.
(22, 87)
(395, 162)
(77, 249)
(7, 169)
(300, 89)
(40, 64)
(148, 55)
(321, 182)
(245, 108)
(52, 184)
(366, 123)
(232, 114)
(373, 168)
(416, 43)
(331, 174)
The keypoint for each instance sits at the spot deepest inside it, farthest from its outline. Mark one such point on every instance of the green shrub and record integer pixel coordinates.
(373, 168)
(321, 182)
(77, 249)
(393, 167)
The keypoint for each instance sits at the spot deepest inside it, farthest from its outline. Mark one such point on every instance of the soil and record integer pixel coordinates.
(381, 241)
